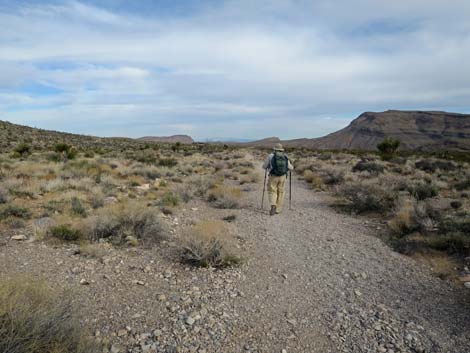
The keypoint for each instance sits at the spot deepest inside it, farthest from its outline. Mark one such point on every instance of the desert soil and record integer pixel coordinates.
(313, 280)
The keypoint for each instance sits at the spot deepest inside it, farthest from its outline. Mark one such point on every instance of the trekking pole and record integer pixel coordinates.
(264, 188)
(290, 190)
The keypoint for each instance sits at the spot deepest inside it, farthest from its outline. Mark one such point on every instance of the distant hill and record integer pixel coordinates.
(417, 130)
(12, 135)
(185, 139)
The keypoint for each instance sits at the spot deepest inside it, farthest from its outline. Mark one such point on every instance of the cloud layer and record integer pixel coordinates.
(245, 69)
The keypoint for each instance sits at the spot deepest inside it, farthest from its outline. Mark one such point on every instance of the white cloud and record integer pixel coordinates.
(252, 64)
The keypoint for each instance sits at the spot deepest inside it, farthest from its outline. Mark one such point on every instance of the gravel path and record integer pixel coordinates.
(314, 281)
(317, 274)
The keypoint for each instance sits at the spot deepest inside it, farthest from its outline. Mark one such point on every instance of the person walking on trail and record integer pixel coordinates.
(277, 166)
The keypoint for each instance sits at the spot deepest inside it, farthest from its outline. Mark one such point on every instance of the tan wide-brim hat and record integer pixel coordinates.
(278, 147)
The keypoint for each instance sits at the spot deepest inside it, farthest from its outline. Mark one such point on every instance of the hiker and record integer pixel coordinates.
(277, 165)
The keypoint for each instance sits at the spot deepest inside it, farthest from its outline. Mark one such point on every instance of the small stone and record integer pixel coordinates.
(110, 199)
(162, 297)
(292, 322)
(284, 276)
(139, 283)
(19, 237)
(284, 351)
(358, 293)
(115, 349)
(190, 321)
(157, 333)
(122, 333)
(467, 285)
(84, 282)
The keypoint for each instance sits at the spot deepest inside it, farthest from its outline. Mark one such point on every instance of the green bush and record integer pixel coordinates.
(422, 190)
(364, 197)
(371, 167)
(463, 185)
(65, 232)
(4, 197)
(14, 211)
(167, 162)
(170, 199)
(388, 147)
(35, 319)
(77, 207)
(23, 149)
(431, 166)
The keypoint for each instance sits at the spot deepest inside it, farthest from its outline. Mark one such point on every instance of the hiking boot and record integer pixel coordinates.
(273, 210)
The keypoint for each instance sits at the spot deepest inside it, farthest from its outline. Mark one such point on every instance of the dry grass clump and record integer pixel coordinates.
(123, 223)
(208, 244)
(225, 197)
(314, 179)
(412, 216)
(35, 319)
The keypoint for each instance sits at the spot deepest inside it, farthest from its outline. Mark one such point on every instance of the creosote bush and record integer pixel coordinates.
(35, 319)
(65, 232)
(364, 197)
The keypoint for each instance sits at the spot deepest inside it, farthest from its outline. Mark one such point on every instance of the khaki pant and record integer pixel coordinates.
(276, 185)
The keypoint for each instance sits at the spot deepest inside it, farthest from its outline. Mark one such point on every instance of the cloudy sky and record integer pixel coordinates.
(245, 68)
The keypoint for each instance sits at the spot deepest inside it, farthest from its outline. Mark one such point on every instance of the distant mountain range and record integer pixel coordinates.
(416, 130)
(184, 139)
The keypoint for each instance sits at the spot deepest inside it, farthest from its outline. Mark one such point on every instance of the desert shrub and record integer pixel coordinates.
(313, 179)
(23, 149)
(325, 156)
(455, 225)
(431, 166)
(65, 232)
(4, 197)
(97, 200)
(453, 243)
(224, 197)
(170, 199)
(230, 218)
(463, 185)
(456, 204)
(388, 147)
(36, 319)
(167, 162)
(89, 154)
(208, 245)
(77, 207)
(364, 197)
(423, 190)
(202, 184)
(63, 152)
(412, 216)
(332, 176)
(121, 222)
(366, 166)
(14, 211)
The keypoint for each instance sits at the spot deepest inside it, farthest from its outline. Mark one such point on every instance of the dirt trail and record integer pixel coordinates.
(319, 281)
(314, 281)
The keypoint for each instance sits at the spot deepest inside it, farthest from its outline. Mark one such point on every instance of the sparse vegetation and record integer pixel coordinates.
(208, 244)
(36, 319)
(65, 232)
